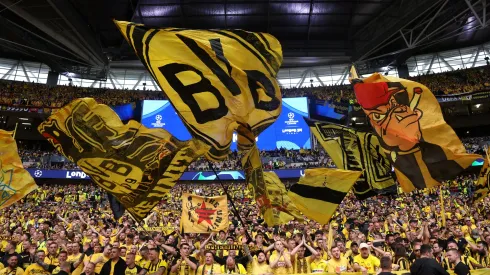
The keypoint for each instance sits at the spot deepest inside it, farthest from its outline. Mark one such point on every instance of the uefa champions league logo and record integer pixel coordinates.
(158, 122)
(291, 121)
(38, 173)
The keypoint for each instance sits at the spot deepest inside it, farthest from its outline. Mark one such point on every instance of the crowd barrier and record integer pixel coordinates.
(484, 271)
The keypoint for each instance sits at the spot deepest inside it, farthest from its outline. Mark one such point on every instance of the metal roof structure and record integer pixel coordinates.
(78, 36)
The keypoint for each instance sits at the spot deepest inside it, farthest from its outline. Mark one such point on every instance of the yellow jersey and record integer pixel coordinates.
(337, 266)
(371, 263)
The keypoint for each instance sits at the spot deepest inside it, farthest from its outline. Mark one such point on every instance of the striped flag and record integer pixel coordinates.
(318, 194)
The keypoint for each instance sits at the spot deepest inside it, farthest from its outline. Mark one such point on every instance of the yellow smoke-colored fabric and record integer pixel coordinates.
(136, 165)
(15, 181)
(215, 79)
(407, 118)
(204, 214)
(320, 191)
(356, 151)
(483, 184)
(268, 191)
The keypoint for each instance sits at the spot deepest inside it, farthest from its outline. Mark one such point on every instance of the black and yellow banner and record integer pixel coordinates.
(215, 79)
(320, 191)
(15, 181)
(482, 186)
(136, 165)
(407, 118)
(268, 191)
(204, 214)
(356, 151)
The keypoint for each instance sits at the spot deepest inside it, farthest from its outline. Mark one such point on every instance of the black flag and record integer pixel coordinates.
(116, 206)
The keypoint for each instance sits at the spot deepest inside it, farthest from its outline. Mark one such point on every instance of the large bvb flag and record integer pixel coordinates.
(217, 80)
(15, 181)
(204, 214)
(320, 191)
(135, 164)
(408, 121)
(356, 151)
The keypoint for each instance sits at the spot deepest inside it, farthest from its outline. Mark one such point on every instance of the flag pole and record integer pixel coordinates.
(235, 211)
(15, 130)
(443, 210)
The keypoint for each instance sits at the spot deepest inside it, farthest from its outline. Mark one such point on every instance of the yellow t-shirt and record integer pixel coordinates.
(51, 260)
(9, 271)
(35, 269)
(93, 259)
(215, 268)
(73, 258)
(154, 267)
(370, 263)
(113, 265)
(281, 264)
(239, 269)
(260, 268)
(336, 266)
(318, 266)
(131, 271)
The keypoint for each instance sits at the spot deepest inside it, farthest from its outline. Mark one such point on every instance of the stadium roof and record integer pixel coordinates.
(79, 36)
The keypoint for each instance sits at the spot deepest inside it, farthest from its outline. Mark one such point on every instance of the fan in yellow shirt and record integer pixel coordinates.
(337, 264)
(231, 267)
(209, 267)
(99, 259)
(12, 268)
(281, 261)
(365, 260)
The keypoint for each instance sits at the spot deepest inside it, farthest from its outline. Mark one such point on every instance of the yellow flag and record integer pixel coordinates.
(204, 214)
(356, 151)
(15, 181)
(215, 79)
(268, 191)
(407, 118)
(136, 165)
(483, 185)
(320, 191)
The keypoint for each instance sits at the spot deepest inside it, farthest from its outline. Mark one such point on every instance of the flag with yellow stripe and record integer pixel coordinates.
(407, 118)
(138, 166)
(15, 181)
(215, 79)
(320, 191)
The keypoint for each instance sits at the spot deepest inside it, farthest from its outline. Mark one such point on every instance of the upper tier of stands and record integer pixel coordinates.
(39, 95)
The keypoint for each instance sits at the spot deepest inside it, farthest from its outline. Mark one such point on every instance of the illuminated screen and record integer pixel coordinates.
(290, 131)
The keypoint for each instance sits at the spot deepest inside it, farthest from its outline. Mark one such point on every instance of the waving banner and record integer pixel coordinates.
(356, 151)
(268, 191)
(15, 181)
(215, 79)
(407, 118)
(138, 166)
(482, 186)
(204, 214)
(318, 194)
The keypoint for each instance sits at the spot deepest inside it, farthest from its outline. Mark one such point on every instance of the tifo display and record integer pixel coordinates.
(201, 185)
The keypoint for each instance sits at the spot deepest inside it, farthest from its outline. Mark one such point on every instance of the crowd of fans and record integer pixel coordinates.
(45, 157)
(42, 96)
(70, 228)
